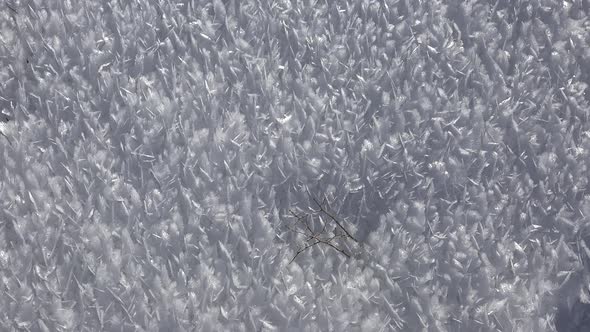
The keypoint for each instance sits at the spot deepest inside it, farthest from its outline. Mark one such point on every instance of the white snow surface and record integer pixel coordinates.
(355, 165)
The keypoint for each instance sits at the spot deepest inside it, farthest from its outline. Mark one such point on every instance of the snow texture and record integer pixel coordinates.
(155, 154)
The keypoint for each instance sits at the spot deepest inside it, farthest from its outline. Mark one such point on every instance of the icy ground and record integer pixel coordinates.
(258, 165)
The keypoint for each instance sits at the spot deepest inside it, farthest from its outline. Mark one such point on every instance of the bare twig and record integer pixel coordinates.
(329, 214)
(302, 250)
(323, 236)
(12, 9)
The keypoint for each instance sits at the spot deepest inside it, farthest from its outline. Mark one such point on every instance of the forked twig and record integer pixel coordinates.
(302, 250)
(314, 238)
(322, 209)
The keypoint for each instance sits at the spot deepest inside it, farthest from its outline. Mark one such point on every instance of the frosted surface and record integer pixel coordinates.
(294, 165)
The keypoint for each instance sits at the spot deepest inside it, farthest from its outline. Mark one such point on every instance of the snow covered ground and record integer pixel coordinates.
(257, 165)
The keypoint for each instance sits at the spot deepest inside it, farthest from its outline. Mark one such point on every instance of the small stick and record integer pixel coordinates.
(14, 10)
(334, 219)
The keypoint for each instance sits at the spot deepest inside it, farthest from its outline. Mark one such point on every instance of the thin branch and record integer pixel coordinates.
(334, 219)
(338, 249)
(9, 7)
(303, 249)
(324, 236)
